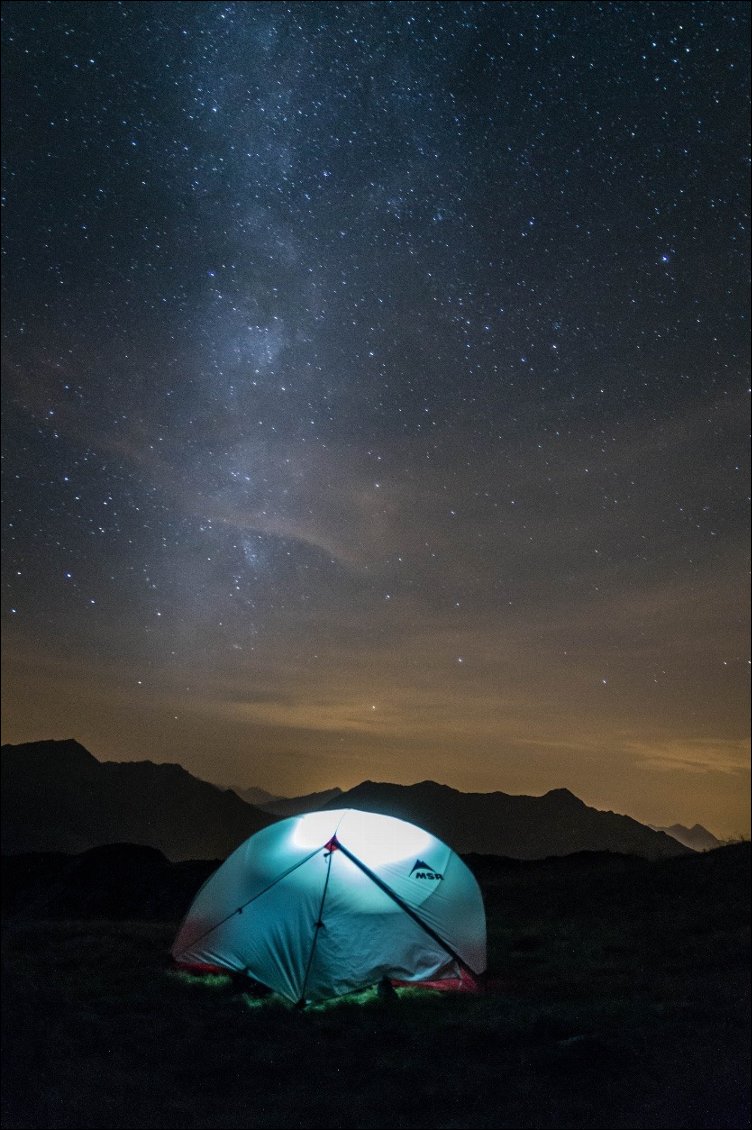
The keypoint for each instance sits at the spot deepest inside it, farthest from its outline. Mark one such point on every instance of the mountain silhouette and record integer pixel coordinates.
(697, 838)
(521, 827)
(56, 797)
(295, 805)
(255, 796)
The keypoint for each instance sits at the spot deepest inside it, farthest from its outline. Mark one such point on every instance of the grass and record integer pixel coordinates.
(618, 996)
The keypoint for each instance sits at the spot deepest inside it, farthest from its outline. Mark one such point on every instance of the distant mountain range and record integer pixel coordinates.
(287, 805)
(697, 838)
(522, 827)
(255, 796)
(56, 797)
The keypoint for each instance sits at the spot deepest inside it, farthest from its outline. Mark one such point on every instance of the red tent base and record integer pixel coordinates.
(198, 967)
(465, 983)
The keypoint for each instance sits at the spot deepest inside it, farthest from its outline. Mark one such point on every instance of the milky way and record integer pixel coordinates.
(375, 393)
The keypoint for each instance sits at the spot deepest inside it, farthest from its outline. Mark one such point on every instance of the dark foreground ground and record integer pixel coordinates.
(618, 996)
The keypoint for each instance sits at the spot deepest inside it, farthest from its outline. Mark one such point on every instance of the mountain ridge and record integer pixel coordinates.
(697, 837)
(286, 805)
(57, 796)
(520, 827)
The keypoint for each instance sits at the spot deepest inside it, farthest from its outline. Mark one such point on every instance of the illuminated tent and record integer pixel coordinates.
(329, 902)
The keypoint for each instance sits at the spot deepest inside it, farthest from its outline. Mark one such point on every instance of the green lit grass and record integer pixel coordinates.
(201, 980)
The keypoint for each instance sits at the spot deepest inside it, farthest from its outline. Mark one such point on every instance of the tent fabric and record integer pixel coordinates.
(326, 903)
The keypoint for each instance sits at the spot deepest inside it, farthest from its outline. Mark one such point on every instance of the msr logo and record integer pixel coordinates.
(422, 870)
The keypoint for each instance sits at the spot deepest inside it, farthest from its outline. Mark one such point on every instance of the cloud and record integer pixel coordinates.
(693, 755)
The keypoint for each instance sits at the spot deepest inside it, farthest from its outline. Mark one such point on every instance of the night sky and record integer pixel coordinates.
(375, 388)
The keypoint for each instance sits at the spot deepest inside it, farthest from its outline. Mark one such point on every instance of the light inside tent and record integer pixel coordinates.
(372, 837)
(315, 829)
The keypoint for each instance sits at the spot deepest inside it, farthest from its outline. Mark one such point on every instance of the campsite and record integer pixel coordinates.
(375, 436)
(617, 995)
(329, 903)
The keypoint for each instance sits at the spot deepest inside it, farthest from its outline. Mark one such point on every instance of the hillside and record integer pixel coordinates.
(56, 797)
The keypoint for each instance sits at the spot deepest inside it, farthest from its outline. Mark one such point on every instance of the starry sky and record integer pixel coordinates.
(375, 394)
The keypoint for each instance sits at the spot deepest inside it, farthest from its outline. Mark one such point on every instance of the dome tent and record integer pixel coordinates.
(329, 902)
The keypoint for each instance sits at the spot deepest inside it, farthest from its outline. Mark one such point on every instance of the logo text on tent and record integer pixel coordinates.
(422, 870)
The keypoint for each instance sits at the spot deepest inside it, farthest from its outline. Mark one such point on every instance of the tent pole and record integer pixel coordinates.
(401, 903)
(318, 926)
(241, 908)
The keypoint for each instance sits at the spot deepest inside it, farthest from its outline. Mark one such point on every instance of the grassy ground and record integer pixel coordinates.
(618, 996)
